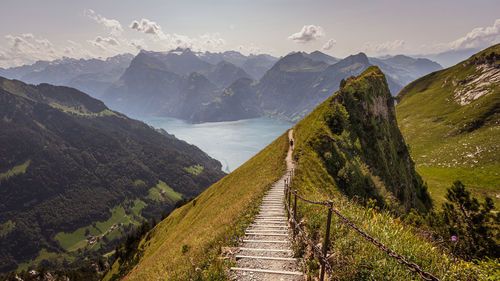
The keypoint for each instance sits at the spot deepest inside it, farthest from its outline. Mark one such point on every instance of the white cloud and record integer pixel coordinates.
(26, 48)
(107, 40)
(28, 36)
(329, 44)
(249, 49)
(148, 27)
(204, 42)
(308, 33)
(384, 47)
(105, 43)
(113, 26)
(211, 41)
(478, 37)
(138, 44)
(3, 56)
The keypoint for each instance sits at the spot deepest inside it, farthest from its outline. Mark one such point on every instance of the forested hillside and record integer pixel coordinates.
(74, 175)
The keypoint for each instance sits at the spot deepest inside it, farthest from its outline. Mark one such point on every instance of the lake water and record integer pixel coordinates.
(232, 143)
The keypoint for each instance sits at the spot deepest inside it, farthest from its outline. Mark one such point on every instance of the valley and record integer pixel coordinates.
(232, 142)
(349, 150)
(249, 140)
(93, 169)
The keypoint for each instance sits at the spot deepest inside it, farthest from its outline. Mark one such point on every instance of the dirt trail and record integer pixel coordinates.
(265, 253)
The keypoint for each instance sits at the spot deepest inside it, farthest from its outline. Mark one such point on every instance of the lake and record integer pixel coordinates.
(232, 143)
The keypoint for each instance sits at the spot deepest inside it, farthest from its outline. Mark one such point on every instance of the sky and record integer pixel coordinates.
(32, 30)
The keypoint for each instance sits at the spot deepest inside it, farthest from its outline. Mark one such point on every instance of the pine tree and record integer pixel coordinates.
(472, 228)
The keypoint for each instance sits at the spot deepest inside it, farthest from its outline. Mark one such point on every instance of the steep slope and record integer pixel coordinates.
(156, 83)
(289, 90)
(361, 146)
(186, 245)
(287, 86)
(149, 87)
(71, 168)
(254, 65)
(319, 56)
(349, 145)
(349, 150)
(450, 118)
(257, 65)
(183, 61)
(225, 73)
(242, 104)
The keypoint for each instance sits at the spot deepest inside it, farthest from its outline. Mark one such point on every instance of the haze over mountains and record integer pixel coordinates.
(291, 88)
(203, 87)
(91, 76)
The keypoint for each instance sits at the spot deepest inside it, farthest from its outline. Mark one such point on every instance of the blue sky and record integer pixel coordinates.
(49, 29)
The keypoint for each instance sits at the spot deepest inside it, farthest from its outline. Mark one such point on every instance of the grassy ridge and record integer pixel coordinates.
(186, 244)
(353, 257)
(450, 141)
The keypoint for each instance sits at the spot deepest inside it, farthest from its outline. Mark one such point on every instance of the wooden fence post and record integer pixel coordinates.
(327, 240)
(288, 202)
(295, 213)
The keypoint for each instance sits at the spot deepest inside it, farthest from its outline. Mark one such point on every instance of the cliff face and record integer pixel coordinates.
(349, 145)
(354, 136)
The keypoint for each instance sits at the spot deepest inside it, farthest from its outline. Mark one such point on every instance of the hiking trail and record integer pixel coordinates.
(265, 253)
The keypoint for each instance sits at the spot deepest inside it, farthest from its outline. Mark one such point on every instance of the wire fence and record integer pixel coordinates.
(322, 253)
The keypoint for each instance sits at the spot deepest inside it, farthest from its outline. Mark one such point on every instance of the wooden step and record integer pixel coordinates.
(266, 271)
(264, 241)
(265, 250)
(265, 258)
(269, 226)
(266, 234)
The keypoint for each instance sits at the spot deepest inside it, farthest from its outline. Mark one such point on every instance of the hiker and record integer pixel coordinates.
(291, 143)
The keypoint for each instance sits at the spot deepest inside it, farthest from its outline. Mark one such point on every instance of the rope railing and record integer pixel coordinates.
(322, 253)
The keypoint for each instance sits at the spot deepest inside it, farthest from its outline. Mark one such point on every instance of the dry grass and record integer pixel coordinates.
(214, 219)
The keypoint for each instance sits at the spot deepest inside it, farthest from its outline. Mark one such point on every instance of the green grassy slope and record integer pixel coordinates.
(348, 147)
(450, 119)
(213, 219)
(323, 142)
(355, 135)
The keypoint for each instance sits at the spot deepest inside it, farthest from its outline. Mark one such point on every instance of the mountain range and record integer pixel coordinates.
(349, 150)
(202, 87)
(159, 84)
(75, 176)
(91, 76)
(299, 82)
(79, 176)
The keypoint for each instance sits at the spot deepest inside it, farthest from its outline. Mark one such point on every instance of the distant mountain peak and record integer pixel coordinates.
(320, 56)
(360, 57)
(298, 61)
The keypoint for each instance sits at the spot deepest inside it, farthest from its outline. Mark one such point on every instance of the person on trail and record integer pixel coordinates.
(291, 143)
